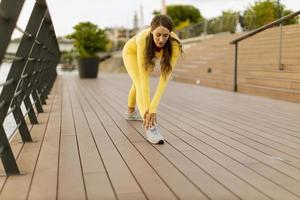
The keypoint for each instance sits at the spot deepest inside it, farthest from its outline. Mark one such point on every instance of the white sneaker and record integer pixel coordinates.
(134, 116)
(154, 136)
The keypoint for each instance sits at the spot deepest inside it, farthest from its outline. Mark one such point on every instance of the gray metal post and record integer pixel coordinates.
(7, 156)
(235, 66)
(8, 19)
(280, 65)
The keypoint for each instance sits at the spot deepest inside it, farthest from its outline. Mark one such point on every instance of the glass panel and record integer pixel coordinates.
(23, 18)
(4, 69)
(9, 125)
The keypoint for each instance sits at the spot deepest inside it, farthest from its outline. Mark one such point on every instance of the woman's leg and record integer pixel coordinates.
(131, 99)
(130, 62)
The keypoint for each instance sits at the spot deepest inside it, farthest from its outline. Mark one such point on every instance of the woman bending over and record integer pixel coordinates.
(153, 47)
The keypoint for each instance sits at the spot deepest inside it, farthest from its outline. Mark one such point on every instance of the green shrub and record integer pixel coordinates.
(88, 39)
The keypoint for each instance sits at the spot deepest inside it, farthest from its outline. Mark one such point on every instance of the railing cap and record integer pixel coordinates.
(269, 25)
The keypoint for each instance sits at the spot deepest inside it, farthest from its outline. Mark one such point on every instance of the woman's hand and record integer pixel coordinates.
(145, 114)
(149, 120)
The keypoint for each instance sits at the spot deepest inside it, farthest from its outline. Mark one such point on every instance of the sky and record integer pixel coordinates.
(119, 13)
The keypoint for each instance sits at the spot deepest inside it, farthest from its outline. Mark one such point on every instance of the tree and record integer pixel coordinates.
(183, 15)
(263, 12)
(224, 23)
(229, 21)
(293, 20)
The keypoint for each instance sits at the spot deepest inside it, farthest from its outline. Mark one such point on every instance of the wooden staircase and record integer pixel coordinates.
(211, 63)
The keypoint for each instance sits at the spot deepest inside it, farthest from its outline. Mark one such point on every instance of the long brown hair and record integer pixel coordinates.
(165, 21)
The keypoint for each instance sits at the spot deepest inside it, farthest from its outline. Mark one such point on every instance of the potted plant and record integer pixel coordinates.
(88, 41)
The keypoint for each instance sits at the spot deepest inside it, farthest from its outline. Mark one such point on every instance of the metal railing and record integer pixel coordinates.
(32, 73)
(215, 25)
(254, 32)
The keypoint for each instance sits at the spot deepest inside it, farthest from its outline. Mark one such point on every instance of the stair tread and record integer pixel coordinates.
(270, 88)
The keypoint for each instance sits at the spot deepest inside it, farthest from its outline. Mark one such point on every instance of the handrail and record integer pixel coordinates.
(243, 37)
(264, 27)
(32, 72)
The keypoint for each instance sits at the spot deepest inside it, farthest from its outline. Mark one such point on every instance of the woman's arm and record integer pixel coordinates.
(163, 82)
(144, 74)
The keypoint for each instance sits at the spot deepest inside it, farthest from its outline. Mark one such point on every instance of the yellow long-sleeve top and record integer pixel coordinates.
(136, 45)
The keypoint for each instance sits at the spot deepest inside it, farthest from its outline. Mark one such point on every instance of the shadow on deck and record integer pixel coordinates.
(220, 145)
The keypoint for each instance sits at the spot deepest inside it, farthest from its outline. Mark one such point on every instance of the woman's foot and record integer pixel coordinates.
(154, 136)
(133, 116)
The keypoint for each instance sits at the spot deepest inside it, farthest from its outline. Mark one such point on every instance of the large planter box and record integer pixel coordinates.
(88, 67)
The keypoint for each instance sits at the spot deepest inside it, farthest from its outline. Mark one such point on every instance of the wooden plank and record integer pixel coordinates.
(296, 85)
(97, 183)
(44, 182)
(70, 172)
(98, 186)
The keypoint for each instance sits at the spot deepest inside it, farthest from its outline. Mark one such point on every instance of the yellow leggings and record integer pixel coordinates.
(135, 93)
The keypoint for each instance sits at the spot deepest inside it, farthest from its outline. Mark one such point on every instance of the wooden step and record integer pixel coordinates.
(268, 55)
(225, 85)
(285, 74)
(282, 94)
(295, 85)
(271, 82)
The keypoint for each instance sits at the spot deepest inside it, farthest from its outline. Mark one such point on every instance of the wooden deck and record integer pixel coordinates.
(220, 145)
